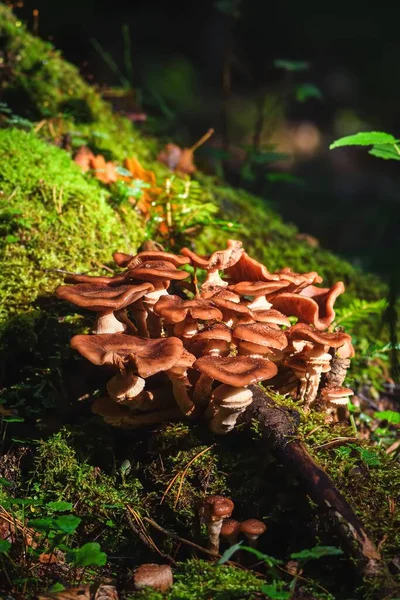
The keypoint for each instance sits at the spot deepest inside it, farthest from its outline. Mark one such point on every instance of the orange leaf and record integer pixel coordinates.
(104, 171)
(83, 158)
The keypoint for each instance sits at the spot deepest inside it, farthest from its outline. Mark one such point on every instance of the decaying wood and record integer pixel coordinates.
(279, 432)
(336, 376)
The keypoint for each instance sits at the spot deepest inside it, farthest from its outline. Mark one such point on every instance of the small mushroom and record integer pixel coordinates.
(213, 339)
(252, 529)
(230, 531)
(258, 290)
(336, 396)
(104, 300)
(230, 399)
(259, 339)
(157, 577)
(218, 261)
(308, 367)
(336, 399)
(232, 309)
(136, 358)
(213, 511)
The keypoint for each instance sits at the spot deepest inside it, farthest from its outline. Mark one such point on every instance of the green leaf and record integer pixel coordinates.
(385, 151)
(67, 523)
(305, 91)
(46, 524)
(391, 416)
(269, 560)
(291, 65)
(364, 138)
(272, 591)
(4, 546)
(316, 552)
(5, 482)
(227, 555)
(59, 506)
(25, 501)
(13, 419)
(56, 587)
(90, 555)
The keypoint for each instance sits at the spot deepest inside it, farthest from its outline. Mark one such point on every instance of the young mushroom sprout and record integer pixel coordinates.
(213, 511)
(203, 348)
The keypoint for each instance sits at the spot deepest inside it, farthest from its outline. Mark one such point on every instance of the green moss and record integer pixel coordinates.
(200, 580)
(52, 217)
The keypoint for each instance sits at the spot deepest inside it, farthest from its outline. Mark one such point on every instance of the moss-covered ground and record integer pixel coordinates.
(54, 218)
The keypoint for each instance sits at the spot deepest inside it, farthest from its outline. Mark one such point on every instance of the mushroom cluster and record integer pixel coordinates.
(183, 349)
(215, 512)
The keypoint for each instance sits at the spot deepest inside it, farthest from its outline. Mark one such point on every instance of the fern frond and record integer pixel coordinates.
(357, 311)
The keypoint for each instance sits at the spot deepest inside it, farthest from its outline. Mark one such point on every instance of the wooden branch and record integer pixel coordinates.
(279, 432)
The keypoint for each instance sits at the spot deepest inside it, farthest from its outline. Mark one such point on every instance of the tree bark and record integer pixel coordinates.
(278, 428)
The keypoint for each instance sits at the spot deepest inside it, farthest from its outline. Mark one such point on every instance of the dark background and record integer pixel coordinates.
(348, 200)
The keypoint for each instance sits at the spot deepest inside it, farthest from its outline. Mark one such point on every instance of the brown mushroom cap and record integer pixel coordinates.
(149, 356)
(337, 339)
(248, 269)
(214, 331)
(336, 395)
(230, 527)
(261, 334)
(128, 260)
(155, 270)
(313, 305)
(215, 508)
(158, 577)
(230, 302)
(237, 371)
(174, 309)
(257, 288)
(95, 279)
(221, 259)
(253, 527)
(102, 297)
(298, 281)
(270, 316)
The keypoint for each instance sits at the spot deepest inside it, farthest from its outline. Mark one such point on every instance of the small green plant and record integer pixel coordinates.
(384, 145)
(278, 588)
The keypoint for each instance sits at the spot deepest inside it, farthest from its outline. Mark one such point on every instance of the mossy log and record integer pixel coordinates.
(277, 426)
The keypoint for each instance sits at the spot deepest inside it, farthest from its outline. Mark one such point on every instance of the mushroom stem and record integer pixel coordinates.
(124, 386)
(122, 316)
(214, 530)
(181, 395)
(229, 402)
(106, 322)
(140, 315)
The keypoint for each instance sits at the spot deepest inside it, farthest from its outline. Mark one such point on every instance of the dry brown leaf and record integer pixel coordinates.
(84, 158)
(104, 171)
(81, 592)
(106, 592)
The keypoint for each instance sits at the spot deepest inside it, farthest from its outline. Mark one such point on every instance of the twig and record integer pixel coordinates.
(336, 442)
(143, 536)
(177, 538)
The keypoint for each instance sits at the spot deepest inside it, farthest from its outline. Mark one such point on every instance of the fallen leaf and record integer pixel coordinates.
(81, 592)
(106, 592)
(104, 171)
(84, 158)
